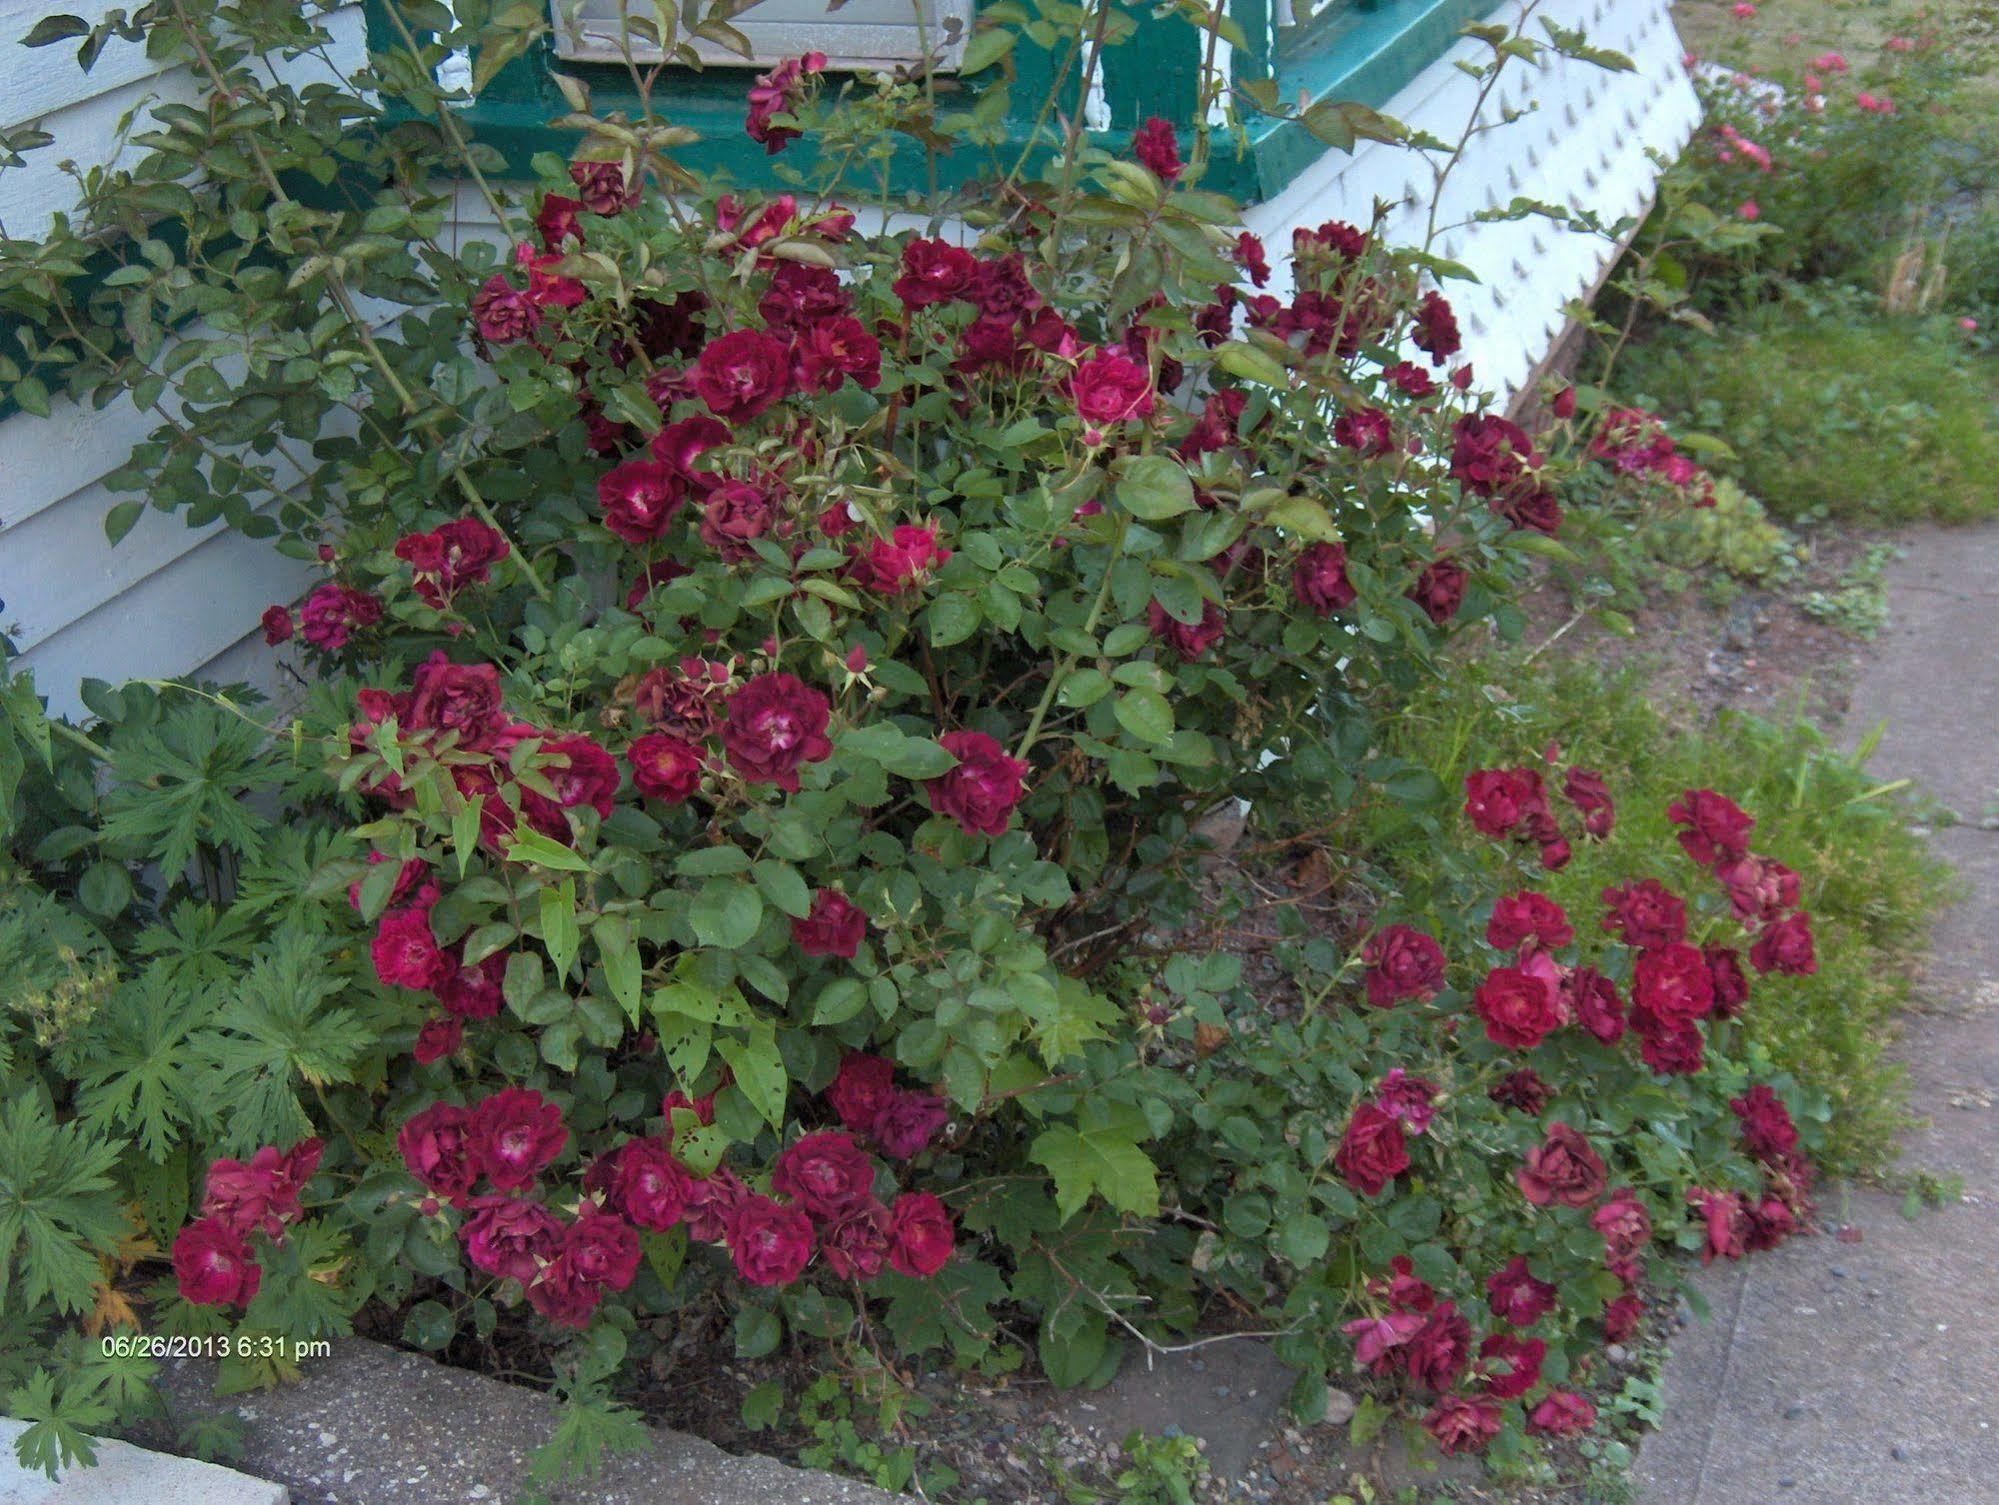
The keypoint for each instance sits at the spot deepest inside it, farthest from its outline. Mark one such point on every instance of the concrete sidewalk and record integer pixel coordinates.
(1835, 1371)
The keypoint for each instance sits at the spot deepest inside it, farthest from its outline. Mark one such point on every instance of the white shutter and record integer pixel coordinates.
(860, 34)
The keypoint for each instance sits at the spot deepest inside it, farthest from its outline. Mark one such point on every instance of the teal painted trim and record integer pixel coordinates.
(1366, 54)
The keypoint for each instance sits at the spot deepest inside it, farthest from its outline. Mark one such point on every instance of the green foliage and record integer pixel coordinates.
(1734, 535)
(59, 1212)
(1835, 413)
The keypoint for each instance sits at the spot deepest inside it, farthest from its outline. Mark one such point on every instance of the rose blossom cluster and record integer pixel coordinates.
(1428, 1344)
(213, 1262)
(1513, 803)
(1634, 442)
(448, 558)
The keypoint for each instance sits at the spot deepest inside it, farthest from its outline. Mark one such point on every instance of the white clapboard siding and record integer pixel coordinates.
(168, 599)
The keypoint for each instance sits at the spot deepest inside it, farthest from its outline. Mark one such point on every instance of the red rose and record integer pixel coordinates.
(1621, 1318)
(563, 1295)
(1767, 1130)
(1759, 888)
(1528, 916)
(1110, 387)
(1624, 1224)
(602, 1248)
(1440, 590)
(1671, 985)
(1590, 795)
(1508, 1367)
(676, 1101)
(1646, 914)
(260, 1195)
(770, 1243)
(1410, 1100)
(277, 624)
(1378, 1341)
(1516, 1296)
(1785, 946)
(1188, 640)
(580, 772)
(1562, 1169)
(511, 1237)
(894, 564)
(1491, 456)
(1726, 1222)
(1319, 579)
(639, 498)
(332, 612)
(1523, 1091)
(981, 792)
(1462, 1425)
(1561, 1413)
(711, 1205)
(830, 351)
(1593, 1001)
(648, 1185)
(742, 373)
(1436, 330)
(1724, 971)
(779, 92)
(475, 992)
(1251, 257)
(601, 186)
(1402, 1290)
(1520, 1005)
(908, 1122)
(1500, 799)
(1671, 1049)
(1401, 963)
(774, 724)
(1771, 1221)
(684, 700)
(437, 1039)
(503, 313)
(834, 927)
(1156, 147)
(935, 271)
(1717, 829)
(856, 1244)
(557, 220)
(436, 1145)
(213, 1266)
(826, 1173)
(1440, 1349)
(448, 697)
(860, 1090)
(1372, 1152)
(514, 1134)
(735, 514)
(664, 768)
(920, 1236)
(447, 559)
(799, 296)
(1366, 431)
(406, 954)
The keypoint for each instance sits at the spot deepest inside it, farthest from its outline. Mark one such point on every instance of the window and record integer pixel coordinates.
(860, 34)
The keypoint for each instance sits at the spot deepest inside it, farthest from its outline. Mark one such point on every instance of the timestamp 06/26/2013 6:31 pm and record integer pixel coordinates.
(214, 1346)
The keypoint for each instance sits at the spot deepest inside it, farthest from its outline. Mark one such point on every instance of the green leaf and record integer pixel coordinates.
(952, 618)
(59, 1210)
(1146, 714)
(621, 963)
(529, 845)
(726, 914)
(759, 1071)
(1153, 487)
(560, 933)
(1100, 1156)
(122, 519)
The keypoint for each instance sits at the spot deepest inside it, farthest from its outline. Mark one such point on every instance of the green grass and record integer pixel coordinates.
(1869, 882)
(1837, 413)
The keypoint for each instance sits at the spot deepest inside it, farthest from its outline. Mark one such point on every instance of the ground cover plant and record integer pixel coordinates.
(738, 855)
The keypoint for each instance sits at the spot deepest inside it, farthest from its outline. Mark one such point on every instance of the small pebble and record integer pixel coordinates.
(1793, 1412)
(1787, 1483)
(1838, 1272)
(1899, 1453)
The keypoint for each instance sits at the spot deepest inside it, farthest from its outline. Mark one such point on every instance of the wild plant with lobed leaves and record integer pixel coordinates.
(769, 671)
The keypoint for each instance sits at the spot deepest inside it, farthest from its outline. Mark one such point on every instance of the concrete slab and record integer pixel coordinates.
(1837, 1370)
(372, 1425)
(127, 1475)
(1226, 1394)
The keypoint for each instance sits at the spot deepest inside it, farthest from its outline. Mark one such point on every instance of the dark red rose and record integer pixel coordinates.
(1767, 1130)
(447, 559)
(1516, 1296)
(1440, 1349)
(1717, 829)
(834, 927)
(736, 513)
(740, 374)
(260, 1195)
(1436, 331)
(1461, 1424)
(1593, 1001)
(1621, 1318)
(1491, 456)
(829, 352)
(1520, 1005)
(773, 725)
(437, 1039)
(639, 498)
(475, 992)
(580, 772)
(436, 1145)
(448, 697)
(1523, 1091)
(1561, 1413)
(332, 613)
(1645, 914)
(1671, 985)
(935, 271)
(826, 1173)
(1156, 147)
(1366, 431)
(1378, 1341)
(1726, 1222)
(676, 1101)
(1509, 1367)
(906, 558)
(1771, 1221)
(685, 700)
(1785, 946)
(920, 1235)
(1110, 387)
(1498, 800)
(981, 792)
(1440, 590)
(514, 1134)
(557, 220)
(1402, 1290)
(213, 1266)
(779, 92)
(908, 1122)
(1401, 963)
(1562, 1169)
(856, 1244)
(770, 1243)
(648, 1185)
(406, 954)
(860, 1090)
(1526, 916)
(503, 313)
(1624, 1224)
(1188, 640)
(711, 1205)
(277, 624)
(601, 186)
(563, 1295)
(511, 1237)
(1590, 795)
(1724, 971)
(1372, 1152)
(1563, 405)
(602, 1248)
(1670, 1049)
(1319, 579)
(1759, 888)
(664, 768)
(1410, 1100)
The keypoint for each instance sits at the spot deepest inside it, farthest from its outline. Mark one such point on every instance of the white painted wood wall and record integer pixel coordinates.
(169, 600)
